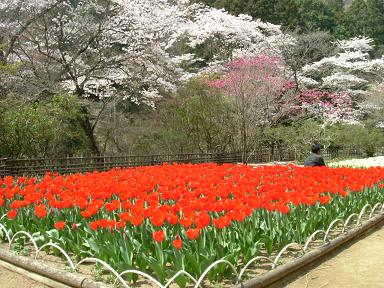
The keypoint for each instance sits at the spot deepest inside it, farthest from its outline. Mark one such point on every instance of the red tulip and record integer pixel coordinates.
(60, 225)
(193, 233)
(12, 214)
(40, 211)
(177, 243)
(159, 236)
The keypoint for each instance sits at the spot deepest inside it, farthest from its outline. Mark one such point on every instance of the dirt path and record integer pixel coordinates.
(9, 279)
(359, 265)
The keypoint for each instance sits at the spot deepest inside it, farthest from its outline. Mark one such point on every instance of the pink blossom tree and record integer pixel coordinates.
(330, 107)
(261, 94)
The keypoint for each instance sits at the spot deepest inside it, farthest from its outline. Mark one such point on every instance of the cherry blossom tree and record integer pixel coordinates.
(143, 33)
(114, 50)
(351, 70)
(336, 87)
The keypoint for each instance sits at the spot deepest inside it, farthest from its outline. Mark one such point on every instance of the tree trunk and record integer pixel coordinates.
(2, 53)
(89, 131)
(2, 63)
(244, 143)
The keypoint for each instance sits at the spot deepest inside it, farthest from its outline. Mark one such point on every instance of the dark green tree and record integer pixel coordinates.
(197, 120)
(335, 5)
(262, 9)
(315, 15)
(308, 15)
(376, 20)
(49, 127)
(363, 18)
(287, 13)
(355, 20)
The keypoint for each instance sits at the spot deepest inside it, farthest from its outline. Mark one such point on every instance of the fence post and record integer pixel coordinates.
(3, 167)
(8, 169)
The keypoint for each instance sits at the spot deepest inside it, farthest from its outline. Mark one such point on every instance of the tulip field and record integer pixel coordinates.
(172, 217)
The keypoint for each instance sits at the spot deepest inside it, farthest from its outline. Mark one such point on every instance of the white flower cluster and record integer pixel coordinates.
(349, 71)
(241, 31)
(360, 163)
(342, 81)
(82, 38)
(356, 44)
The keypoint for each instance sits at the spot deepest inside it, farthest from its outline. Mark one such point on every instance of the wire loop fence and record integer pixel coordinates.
(239, 275)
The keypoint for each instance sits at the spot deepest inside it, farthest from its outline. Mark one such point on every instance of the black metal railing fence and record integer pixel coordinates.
(68, 165)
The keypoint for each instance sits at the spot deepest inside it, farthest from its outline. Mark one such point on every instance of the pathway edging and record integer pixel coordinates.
(288, 269)
(60, 276)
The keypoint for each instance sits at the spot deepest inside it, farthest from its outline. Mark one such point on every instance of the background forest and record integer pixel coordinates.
(109, 77)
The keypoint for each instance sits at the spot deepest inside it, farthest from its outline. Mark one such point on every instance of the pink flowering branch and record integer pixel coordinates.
(261, 92)
(330, 105)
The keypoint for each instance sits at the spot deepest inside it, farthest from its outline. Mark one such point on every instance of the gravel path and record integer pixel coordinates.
(9, 279)
(359, 265)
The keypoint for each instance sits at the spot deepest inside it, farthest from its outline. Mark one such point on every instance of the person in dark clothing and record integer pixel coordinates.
(315, 159)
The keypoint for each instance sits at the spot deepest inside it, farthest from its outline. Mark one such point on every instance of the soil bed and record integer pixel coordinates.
(9, 279)
(356, 265)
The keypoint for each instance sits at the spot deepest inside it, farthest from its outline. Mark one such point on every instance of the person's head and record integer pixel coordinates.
(316, 148)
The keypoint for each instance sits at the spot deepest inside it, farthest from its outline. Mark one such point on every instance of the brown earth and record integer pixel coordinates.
(361, 264)
(9, 279)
